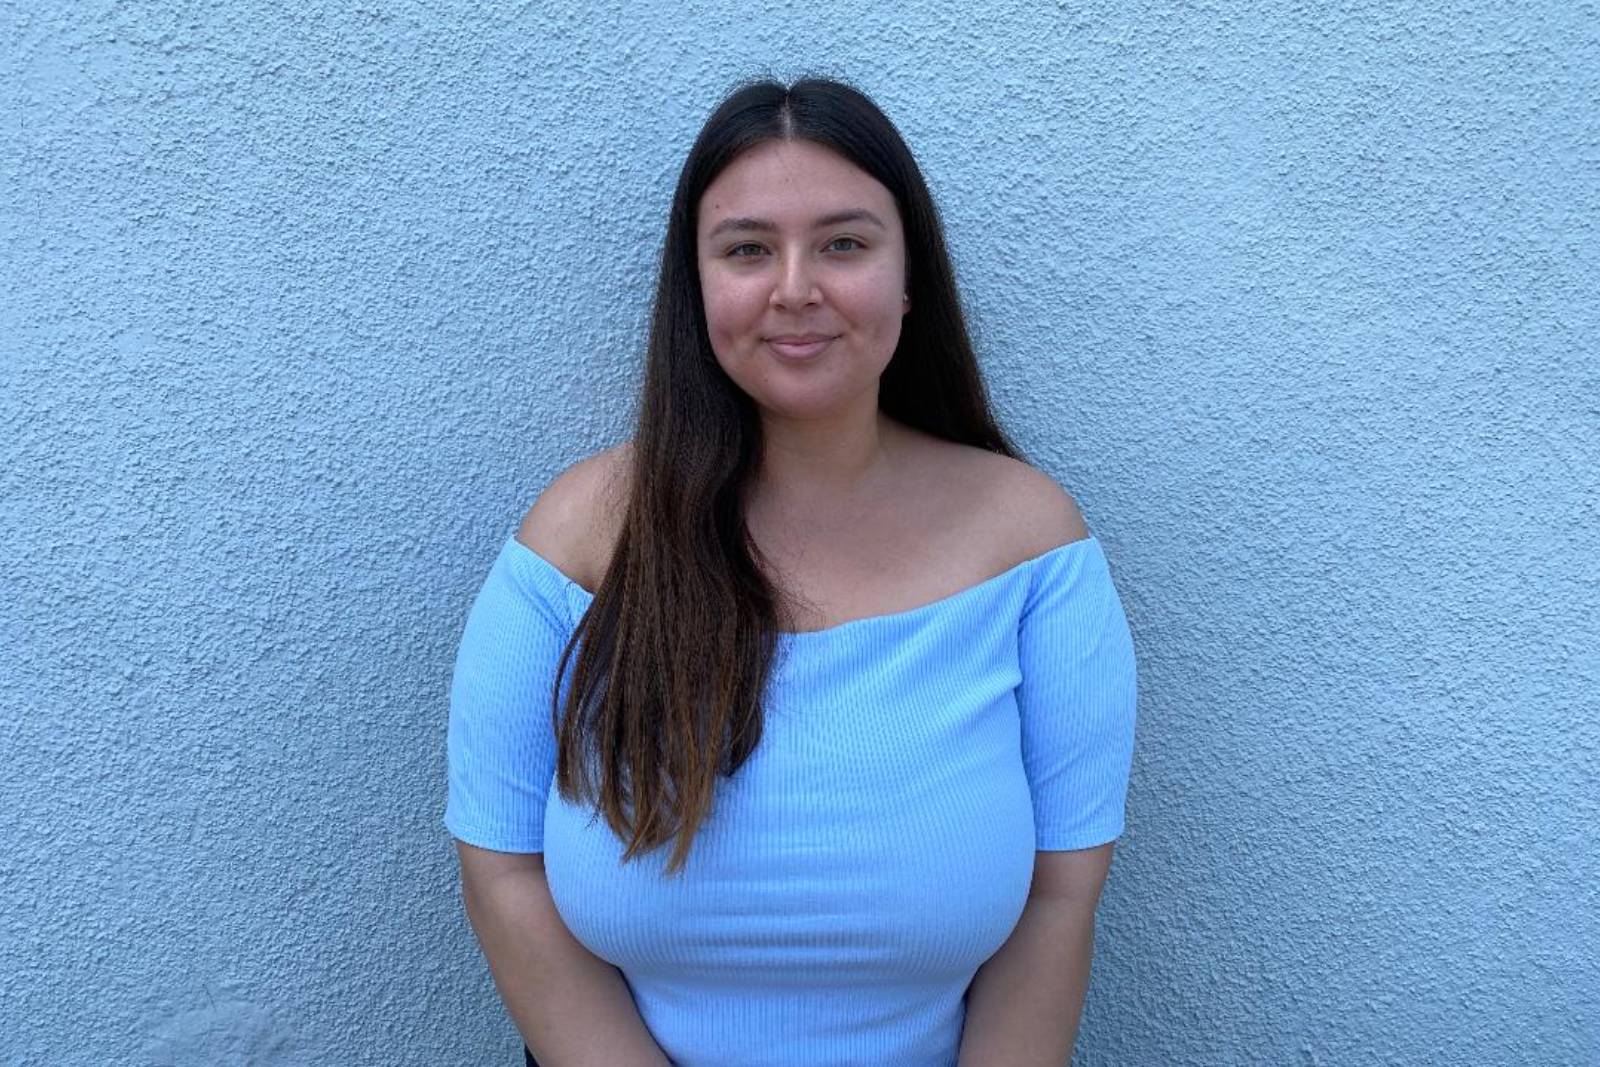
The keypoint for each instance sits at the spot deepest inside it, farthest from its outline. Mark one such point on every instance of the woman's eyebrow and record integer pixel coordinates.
(768, 226)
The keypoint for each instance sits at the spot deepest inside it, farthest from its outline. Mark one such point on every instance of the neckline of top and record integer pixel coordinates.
(794, 635)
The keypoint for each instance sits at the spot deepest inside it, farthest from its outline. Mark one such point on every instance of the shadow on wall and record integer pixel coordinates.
(227, 1032)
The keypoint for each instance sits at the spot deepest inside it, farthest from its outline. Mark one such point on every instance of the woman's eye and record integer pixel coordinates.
(749, 249)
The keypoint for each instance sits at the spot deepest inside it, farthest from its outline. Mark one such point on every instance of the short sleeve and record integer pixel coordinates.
(501, 750)
(1077, 699)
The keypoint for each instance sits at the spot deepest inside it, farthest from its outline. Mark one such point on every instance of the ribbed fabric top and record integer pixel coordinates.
(875, 849)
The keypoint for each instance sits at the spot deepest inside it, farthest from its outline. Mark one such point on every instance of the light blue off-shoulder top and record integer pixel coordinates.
(875, 849)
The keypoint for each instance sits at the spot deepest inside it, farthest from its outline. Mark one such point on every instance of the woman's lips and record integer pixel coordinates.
(799, 349)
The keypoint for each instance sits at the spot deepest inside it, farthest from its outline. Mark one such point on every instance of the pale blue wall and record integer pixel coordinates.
(302, 304)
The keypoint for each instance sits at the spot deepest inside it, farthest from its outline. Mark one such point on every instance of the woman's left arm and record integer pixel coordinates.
(1024, 1002)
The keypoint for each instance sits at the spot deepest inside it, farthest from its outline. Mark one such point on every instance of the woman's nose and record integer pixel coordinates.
(795, 285)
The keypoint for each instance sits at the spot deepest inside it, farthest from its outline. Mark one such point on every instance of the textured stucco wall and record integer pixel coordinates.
(302, 304)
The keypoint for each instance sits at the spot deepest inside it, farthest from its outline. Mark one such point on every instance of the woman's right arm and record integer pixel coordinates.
(572, 1008)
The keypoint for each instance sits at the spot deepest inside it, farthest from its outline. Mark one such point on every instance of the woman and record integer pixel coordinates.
(817, 620)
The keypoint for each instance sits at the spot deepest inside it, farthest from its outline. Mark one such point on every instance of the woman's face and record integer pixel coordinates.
(803, 269)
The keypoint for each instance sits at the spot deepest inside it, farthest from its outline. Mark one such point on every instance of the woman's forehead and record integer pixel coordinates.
(792, 183)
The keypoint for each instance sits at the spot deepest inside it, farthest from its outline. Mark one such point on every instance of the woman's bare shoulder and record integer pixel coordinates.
(1031, 506)
(575, 520)
(1013, 509)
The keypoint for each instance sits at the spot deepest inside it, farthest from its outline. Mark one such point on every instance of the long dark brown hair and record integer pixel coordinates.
(674, 652)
